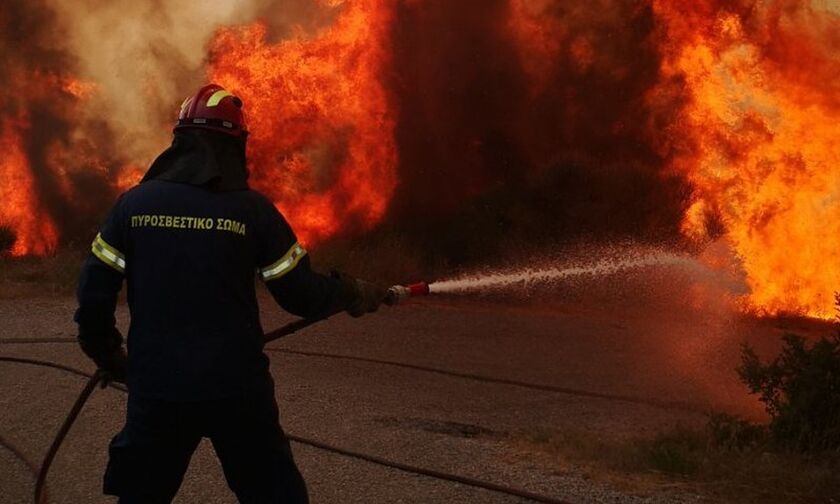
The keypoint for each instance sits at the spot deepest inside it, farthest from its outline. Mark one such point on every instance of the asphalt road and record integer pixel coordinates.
(627, 362)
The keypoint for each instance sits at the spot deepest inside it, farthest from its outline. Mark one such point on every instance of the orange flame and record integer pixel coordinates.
(758, 139)
(20, 210)
(322, 144)
(744, 95)
(34, 173)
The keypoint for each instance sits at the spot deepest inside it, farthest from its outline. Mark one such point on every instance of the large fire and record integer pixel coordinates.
(758, 140)
(323, 145)
(20, 211)
(736, 99)
(23, 211)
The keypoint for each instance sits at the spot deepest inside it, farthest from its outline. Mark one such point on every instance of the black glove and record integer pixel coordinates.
(106, 351)
(359, 296)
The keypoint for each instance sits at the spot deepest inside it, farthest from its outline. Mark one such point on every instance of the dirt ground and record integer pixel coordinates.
(616, 361)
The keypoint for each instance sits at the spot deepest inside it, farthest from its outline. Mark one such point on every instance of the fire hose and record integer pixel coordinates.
(396, 295)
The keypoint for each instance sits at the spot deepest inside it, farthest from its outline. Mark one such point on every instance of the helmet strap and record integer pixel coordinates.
(200, 121)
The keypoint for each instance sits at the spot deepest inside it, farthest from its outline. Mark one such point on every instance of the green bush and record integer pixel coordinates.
(800, 389)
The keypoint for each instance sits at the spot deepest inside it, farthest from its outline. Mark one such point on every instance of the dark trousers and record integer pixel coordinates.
(149, 457)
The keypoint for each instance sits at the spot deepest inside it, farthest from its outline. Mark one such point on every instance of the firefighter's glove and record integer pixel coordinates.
(360, 296)
(106, 350)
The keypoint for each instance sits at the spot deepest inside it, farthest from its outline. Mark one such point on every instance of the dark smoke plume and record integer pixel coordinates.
(497, 143)
(38, 100)
(489, 156)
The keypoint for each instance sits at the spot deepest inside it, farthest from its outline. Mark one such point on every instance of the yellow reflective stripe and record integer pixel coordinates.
(286, 263)
(109, 248)
(216, 97)
(108, 254)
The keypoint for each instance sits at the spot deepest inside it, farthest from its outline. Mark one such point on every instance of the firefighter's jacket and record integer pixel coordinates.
(189, 256)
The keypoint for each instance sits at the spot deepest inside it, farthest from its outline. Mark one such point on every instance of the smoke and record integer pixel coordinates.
(143, 57)
(519, 140)
(471, 130)
(146, 57)
(90, 89)
(45, 168)
(527, 121)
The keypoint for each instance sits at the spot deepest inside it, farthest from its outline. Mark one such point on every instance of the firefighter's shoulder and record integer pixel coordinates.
(260, 199)
(266, 208)
(138, 193)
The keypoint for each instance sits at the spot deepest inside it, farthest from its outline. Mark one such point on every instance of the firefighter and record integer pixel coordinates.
(188, 240)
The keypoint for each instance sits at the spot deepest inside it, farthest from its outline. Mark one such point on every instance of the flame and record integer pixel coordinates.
(127, 177)
(46, 158)
(739, 99)
(758, 141)
(748, 94)
(20, 210)
(78, 87)
(322, 146)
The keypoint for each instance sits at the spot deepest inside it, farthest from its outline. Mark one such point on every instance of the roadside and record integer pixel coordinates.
(631, 367)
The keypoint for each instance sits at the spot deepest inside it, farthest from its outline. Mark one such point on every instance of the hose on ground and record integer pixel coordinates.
(93, 381)
(646, 401)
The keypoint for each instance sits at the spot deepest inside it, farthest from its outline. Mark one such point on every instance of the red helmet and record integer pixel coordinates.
(215, 108)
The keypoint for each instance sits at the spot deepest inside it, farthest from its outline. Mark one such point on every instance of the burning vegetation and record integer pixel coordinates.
(322, 146)
(467, 129)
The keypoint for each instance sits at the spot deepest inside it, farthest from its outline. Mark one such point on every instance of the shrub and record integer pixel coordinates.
(677, 453)
(732, 433)
(800, 389)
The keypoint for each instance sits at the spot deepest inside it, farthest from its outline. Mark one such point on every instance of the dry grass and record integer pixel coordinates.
(687, 460)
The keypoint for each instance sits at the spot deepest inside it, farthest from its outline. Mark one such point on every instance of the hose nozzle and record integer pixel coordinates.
(400, 293)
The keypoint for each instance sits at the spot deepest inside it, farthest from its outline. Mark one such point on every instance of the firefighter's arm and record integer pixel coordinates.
(306, 293)
(99, 285)
(303, 292)
(286, 270)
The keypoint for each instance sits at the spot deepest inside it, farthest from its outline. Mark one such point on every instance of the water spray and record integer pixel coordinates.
(528, 277)
(396, 295)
